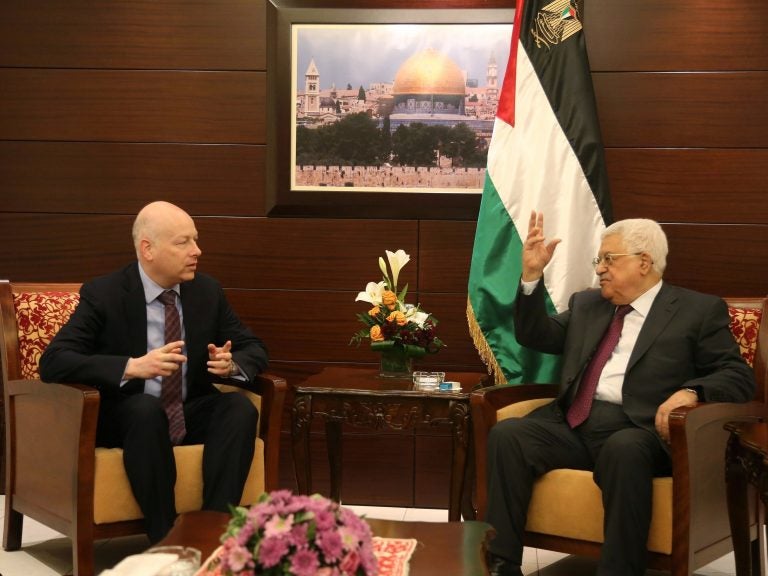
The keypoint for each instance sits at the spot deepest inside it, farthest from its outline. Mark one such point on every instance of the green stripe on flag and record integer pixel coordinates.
(493, 283)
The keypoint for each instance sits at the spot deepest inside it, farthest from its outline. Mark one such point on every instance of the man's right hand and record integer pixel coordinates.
(536, 252)
(162, 361)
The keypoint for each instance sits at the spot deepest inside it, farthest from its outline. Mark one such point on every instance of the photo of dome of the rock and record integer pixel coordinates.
(400, 108)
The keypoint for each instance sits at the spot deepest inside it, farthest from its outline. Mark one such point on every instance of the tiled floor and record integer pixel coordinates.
(48, 553)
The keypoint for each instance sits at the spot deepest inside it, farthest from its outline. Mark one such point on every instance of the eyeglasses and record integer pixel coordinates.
(609, 259)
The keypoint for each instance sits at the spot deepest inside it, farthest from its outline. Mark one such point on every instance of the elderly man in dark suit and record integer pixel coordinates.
(152, 338)
(632, 352)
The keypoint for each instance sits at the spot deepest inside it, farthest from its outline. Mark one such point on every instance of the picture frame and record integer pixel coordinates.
(300, 184)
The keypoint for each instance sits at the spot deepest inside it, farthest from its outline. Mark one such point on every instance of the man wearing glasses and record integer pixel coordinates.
(632, 352)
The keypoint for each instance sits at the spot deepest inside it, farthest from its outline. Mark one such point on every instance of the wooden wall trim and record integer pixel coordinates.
(133, 34)
(132, 106)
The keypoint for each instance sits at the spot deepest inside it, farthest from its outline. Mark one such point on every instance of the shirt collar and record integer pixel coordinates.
(643, 303)
(151, 288)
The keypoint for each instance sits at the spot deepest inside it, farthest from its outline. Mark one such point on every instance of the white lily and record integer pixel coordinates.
(383, 268)
(418, 317)
(396, 262)
(373, 293)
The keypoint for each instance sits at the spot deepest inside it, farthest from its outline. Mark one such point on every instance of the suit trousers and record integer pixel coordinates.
(224, 423)
(624, 459)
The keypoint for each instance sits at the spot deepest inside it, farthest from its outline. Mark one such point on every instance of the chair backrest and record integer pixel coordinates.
(746, 316)
(30, 316)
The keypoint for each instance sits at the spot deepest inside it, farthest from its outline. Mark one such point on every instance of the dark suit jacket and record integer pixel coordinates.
(109, 325)
(684, 342)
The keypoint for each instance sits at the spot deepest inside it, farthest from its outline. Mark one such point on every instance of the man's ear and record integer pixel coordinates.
(145, 247)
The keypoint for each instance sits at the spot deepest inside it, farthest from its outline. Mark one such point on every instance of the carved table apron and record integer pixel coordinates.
(381, 409)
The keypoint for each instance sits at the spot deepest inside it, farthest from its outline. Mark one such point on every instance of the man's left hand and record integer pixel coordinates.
(679, 398)
(220, 359)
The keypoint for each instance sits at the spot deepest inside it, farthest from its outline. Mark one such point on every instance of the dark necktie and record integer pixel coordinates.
(170, 393)
(582, 402)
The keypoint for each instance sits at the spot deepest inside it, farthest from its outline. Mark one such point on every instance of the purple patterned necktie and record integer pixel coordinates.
(582, 403)
(170, 394)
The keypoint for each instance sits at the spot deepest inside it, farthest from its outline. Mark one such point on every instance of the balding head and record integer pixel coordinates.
(165, 239)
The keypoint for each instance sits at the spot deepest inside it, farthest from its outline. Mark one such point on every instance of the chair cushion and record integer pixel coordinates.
(39, 316)
(745, 323)
(568, 503)
(113, 499)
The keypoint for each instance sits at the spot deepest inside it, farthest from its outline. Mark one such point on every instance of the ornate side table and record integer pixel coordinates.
(746, 464)
(360, 398)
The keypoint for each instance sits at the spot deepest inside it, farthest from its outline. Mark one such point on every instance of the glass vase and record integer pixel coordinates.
(395, 363)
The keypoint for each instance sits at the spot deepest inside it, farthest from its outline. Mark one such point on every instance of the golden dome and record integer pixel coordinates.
(429, 72)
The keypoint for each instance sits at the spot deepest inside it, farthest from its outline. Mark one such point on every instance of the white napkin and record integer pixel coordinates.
(142, 564)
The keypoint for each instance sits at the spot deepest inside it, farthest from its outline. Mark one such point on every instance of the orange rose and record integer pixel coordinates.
(376, 335)
(374, 311)
(389, 299)
(398, 317)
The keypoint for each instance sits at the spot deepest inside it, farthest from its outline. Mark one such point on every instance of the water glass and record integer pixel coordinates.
(428, 381)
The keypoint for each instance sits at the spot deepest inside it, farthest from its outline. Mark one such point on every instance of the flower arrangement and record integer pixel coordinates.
(392, 322)
(285, 534)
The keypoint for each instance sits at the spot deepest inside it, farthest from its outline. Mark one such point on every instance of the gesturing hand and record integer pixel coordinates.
(220, 359)
(536, 252)
(162, 361)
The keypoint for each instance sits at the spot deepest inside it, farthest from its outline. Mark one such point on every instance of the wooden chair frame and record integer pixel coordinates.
(700, 527)
(50, 445)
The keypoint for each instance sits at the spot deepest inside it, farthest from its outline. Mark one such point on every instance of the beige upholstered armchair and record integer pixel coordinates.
(689, 526)
(54, 472)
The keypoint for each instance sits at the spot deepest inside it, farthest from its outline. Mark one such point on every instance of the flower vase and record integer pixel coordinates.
(395, 363)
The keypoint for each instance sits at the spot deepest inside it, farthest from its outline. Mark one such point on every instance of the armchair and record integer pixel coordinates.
(54, 472)
(689, 525)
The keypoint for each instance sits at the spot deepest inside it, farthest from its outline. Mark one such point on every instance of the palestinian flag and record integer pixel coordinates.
(546, 154)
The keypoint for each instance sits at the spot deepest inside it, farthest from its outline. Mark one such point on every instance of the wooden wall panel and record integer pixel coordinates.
(163, 34)
(689, 185)
(700, 110)
(724, 260)
(98, 177)
(295, 329)
(655, 35)
(445, 255)
(240, 252)
(132, 106)
(305, 254)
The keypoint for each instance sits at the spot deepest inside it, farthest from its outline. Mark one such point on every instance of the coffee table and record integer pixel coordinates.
(444, 548)
(359, 397)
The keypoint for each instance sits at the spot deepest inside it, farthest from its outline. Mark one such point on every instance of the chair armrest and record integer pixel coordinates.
(272, 390)
(484, 403)
(50, 443)
(697, 443)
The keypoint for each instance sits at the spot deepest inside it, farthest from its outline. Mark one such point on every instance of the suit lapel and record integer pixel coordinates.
(135, 309)
(662, 310)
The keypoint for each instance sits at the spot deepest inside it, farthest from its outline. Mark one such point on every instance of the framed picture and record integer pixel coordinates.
(381, 113)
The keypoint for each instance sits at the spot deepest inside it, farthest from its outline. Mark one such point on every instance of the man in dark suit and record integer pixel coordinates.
(117, 340)
(671, 347)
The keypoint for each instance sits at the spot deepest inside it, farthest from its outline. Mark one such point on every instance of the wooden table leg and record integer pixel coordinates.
(738, 507)
(459, 416)
(333, 439)
(301, 418)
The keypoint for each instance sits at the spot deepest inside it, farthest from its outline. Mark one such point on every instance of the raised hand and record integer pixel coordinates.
(537, 253)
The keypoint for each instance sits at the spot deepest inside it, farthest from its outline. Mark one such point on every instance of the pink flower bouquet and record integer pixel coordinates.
(284, 534)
